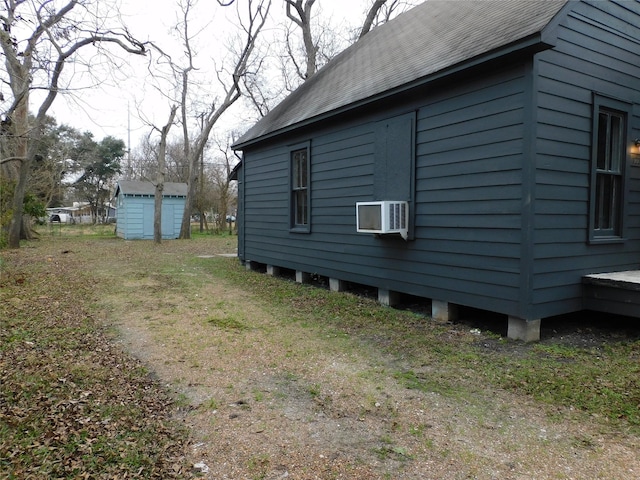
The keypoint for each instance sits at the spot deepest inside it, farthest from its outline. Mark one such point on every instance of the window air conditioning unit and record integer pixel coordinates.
(383, 217)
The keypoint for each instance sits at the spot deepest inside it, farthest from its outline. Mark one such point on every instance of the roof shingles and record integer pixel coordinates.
(134, 187)
(424, 41)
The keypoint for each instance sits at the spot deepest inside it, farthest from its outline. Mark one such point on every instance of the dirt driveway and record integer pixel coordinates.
(266, 397)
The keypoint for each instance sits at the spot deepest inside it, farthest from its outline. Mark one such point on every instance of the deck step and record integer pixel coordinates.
(614, 292)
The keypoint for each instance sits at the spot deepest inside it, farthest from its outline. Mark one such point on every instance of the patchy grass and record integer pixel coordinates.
(226, 323)
(603, 381)
(73, 405)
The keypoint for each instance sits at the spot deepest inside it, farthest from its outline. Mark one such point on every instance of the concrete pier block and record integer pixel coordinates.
(336, 285)
(525, 330)
(444, 311)
(273, 271)
(388, 298)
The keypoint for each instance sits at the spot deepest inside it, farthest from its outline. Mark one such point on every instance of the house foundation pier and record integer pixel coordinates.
(273, 271)
(525, 330)
(337, 285)
(303, 277)
(388, 298)
(444, 311)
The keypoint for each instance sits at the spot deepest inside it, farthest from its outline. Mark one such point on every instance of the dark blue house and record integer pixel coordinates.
(476, 153)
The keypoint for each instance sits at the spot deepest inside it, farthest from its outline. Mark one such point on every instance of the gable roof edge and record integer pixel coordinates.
(535, 43)
(140, 187)
(549, 33)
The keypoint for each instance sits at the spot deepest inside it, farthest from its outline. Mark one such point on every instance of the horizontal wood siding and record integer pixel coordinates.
(472, 223)
(467, 181)
(134, 226)
(469, 177)
(597, 51)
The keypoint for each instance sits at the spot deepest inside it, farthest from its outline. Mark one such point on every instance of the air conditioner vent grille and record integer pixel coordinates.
(397, 215)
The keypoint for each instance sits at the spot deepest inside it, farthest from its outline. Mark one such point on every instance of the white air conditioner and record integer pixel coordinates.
(383, 217)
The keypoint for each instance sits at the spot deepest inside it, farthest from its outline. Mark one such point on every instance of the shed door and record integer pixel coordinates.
(147, 221)
(168, 224)
(168, 221)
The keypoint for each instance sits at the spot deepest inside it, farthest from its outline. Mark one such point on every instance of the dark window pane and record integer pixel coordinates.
(303, 168)
(608, 195)
(295, 167)
(603, 124)
(616, 142)
(300, 207)
(603, 212)
(615, 203)
(299, 168)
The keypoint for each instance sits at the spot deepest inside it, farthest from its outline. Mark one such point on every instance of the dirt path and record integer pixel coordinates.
(266, 402)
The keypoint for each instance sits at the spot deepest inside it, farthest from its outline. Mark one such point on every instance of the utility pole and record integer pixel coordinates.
(129, 174)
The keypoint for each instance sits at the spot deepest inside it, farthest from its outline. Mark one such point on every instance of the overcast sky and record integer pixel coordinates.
(113, 108)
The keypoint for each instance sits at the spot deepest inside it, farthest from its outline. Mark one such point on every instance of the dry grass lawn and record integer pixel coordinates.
(277, 380)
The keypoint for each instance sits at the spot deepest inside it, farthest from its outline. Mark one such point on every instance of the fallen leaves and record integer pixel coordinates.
(72, 404)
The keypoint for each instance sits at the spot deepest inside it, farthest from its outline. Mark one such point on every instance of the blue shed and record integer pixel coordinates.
(135, 209)
(475, 153)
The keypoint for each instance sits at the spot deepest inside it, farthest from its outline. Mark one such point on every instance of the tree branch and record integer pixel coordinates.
(303, 20)
(371, 16)
(12, 159)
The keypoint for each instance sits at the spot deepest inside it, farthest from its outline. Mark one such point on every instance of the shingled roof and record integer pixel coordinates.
(136, 187)
(430, 40)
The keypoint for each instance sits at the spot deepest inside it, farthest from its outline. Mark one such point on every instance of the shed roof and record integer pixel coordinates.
(430, 39)
(135, 187)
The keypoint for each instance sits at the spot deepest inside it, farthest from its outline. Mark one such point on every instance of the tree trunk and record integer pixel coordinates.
(162, 166)
(185, 228)
(21, 122)
(157, 208)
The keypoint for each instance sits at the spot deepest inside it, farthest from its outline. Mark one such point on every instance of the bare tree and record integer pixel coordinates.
(311, 40)
(319, 45)
(371, 16)
(36, 61)
(299, 12)
(260, 92)
(143, 160)
(222, 185)
(231, 83)
(160, 176)
(381, 11)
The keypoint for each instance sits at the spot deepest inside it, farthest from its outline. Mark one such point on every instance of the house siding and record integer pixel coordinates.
(500, 192)
(469, 188)
(467, 200)
(597, 52)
